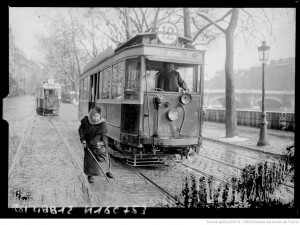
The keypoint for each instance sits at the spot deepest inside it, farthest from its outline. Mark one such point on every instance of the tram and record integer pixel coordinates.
(145, 122)
(47, 98)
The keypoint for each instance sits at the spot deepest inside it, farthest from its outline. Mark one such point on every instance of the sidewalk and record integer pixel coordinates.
(248, 137)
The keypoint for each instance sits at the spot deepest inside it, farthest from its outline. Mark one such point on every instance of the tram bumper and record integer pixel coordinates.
(171, 142)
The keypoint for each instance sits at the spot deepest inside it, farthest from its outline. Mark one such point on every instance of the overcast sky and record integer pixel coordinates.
(27, 23)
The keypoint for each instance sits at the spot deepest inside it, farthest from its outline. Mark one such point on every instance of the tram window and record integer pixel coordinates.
(106, 83)
(116, 90)
(152, 70)
(132, 79)
(53, 93)
(188, 74)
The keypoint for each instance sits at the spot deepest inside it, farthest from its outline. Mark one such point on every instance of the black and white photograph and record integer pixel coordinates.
(130, 112)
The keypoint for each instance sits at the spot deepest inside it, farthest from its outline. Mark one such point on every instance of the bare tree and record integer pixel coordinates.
(61, 53)
(231, 121)
(231, 24)
(123, 23)
(72, 43)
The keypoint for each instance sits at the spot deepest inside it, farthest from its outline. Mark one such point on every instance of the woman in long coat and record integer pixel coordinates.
(92, 132)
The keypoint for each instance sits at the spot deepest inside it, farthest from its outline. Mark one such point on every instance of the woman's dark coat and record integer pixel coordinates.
(93, 134)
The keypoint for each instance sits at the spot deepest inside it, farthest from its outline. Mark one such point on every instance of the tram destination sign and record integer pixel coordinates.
(180, 54)
(51, 86)
(167, 33)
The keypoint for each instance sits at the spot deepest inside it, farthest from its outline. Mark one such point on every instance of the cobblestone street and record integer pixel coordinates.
(46, 161)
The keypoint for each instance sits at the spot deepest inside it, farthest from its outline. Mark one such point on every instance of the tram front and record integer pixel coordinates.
(173, 104)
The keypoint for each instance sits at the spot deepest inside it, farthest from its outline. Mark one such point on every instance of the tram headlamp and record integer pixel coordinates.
(185, 98)
(173, 114)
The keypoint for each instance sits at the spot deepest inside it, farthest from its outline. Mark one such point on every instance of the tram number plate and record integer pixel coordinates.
(167, 33)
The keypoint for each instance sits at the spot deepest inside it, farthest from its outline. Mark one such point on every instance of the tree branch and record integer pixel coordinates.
(212, 22)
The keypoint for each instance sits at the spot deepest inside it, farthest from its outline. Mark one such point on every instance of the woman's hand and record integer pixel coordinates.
(84, 144)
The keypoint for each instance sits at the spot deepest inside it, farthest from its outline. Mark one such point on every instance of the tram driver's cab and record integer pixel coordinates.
(188, 72)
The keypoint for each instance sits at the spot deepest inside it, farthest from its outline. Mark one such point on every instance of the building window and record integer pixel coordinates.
(117, 84)
(132, 79)
(106, 83)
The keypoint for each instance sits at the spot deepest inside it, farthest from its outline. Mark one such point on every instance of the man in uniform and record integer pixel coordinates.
(169, 79)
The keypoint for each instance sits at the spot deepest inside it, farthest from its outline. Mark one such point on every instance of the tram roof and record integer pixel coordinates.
(94, 62)
(133, 41)
(137, 36)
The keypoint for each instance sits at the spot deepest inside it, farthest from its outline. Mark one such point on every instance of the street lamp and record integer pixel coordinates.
(263, 52)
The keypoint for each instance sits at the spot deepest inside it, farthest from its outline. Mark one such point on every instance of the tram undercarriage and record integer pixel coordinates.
(151, 155)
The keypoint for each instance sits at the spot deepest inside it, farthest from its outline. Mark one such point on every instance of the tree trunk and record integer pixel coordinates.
(187, 23)
(231, 120)
(128, 29)
(75, 89)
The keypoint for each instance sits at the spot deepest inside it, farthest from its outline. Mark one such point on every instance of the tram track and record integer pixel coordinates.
(190, 169)
(243, 155)
(20, 147)
(77, 163)
(207, 175)
(287, 188)
(154, 184)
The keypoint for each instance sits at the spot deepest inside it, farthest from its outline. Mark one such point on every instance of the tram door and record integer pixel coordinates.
(93, 91)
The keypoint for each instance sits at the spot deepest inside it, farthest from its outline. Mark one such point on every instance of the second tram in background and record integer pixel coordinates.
(145, 122)
(47, 98)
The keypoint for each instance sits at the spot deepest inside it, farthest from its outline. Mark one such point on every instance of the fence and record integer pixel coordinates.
(276, 120)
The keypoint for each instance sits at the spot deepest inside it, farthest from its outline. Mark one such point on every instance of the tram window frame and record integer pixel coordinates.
(194, 78)
(93, 87)
(107, 87)
(99, 85)
(119, 83)
(89, 89)
(154, 68)
(132, 92)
